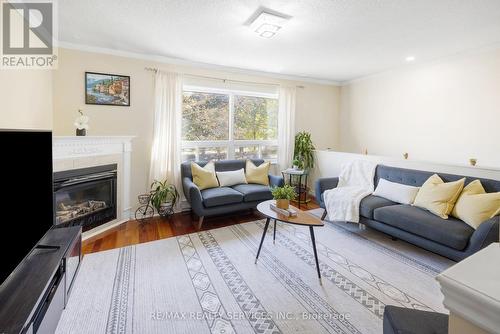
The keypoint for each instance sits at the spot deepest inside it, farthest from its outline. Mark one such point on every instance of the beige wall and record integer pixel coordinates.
(26, 99)
(447, 111)
(317, 105)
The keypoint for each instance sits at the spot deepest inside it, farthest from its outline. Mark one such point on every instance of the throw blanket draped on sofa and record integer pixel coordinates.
(355, 183)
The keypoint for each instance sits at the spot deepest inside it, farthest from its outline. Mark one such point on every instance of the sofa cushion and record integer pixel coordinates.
(450, 232)
(220, 196)
(370, 203)
(254, 192)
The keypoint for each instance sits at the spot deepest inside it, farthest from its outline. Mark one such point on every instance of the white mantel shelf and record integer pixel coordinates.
(74, 151)
(471, 288)
(77, 146)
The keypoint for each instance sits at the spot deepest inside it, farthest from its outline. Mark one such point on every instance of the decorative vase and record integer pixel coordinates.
(81, 132)
(283, 204)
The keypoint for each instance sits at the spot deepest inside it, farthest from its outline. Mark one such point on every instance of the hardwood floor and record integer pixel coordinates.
(134, 232)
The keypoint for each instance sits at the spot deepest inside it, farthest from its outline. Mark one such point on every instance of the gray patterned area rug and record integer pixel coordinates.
(208, 282)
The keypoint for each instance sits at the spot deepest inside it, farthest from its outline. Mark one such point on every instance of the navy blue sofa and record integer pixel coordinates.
(451, 238)
(222, 200)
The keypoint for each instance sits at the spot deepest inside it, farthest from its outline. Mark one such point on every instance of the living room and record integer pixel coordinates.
(251, 166)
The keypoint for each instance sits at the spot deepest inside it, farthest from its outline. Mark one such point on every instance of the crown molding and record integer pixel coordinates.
(196, 64)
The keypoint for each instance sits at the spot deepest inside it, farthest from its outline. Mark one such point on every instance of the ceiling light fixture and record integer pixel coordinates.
(267, 23)
(409, 59)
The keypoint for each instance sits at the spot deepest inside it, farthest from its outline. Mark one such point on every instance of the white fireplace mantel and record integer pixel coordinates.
(70, 152)
(85, 146)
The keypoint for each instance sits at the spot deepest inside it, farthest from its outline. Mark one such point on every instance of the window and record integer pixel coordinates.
(205, 116)
(220, 124)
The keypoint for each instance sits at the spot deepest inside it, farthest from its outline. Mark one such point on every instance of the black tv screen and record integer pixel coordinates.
(26, 199)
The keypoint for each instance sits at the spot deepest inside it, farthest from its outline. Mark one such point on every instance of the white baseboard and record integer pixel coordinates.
(100, 229)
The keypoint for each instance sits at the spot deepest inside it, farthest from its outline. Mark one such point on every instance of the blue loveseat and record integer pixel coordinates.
(222, 200)
(451, 238)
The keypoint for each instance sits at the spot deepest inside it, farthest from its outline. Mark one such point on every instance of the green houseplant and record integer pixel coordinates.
(303, 152)
(283, 196)
(163, 197)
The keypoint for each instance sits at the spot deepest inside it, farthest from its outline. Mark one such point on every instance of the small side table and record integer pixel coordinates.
(301, 187)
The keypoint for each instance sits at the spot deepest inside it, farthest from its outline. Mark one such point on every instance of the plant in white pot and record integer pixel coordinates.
(283, 196)
(163, 197)
(81, 124)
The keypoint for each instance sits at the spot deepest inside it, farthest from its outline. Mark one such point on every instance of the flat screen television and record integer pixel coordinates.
(26, 203)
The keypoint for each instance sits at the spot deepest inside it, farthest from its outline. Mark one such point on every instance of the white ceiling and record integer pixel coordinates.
(337, 40)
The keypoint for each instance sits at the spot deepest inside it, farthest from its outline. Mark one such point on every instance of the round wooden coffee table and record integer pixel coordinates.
(303, 218)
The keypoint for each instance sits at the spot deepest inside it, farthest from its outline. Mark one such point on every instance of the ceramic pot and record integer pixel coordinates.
(82, 132)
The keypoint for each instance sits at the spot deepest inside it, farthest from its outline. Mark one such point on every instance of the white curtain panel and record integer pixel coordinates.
(286, 126)
(166, 149)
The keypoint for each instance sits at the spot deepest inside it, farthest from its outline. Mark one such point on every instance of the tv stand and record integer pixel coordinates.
(33, 297)
(47, 247)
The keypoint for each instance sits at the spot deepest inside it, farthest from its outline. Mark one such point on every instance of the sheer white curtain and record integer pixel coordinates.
(166, 149)
(286, 126)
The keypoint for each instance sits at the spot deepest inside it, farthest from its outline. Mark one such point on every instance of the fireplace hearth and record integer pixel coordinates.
(85, 197)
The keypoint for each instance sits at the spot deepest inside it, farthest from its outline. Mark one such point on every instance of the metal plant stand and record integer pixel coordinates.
(300, 187)
(145, 211)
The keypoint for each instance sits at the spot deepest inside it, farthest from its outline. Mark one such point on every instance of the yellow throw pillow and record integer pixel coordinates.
(437, 196)
(204, 177)
(475, 205)
(259, 175)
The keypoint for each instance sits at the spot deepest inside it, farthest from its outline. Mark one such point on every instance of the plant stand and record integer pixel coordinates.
(145, 211)
(295, 178)
(166, 211)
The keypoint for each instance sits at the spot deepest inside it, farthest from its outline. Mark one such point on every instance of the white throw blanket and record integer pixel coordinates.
(355, 183)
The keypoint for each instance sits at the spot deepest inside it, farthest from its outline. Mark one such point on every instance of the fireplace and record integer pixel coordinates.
(85, 197)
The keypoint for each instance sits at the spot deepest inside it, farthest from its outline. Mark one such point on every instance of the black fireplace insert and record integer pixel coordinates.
(85, 197)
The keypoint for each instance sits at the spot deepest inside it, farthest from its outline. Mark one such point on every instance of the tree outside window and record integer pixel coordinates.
(218, 126)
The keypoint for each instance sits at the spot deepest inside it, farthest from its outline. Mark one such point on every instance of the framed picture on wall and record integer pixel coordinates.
(107, 89)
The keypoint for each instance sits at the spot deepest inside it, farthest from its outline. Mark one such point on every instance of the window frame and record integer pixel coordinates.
(231, 144)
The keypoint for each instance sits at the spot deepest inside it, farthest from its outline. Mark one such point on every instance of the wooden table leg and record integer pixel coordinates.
(274, 233)
(262, 240)
(313, 240)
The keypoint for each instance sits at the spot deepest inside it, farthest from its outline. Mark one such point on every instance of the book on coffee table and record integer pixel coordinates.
(286, 212)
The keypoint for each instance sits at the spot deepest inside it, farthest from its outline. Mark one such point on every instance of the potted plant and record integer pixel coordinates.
(303, 151)
(81, 124)
(163, 197)
(283, 196)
